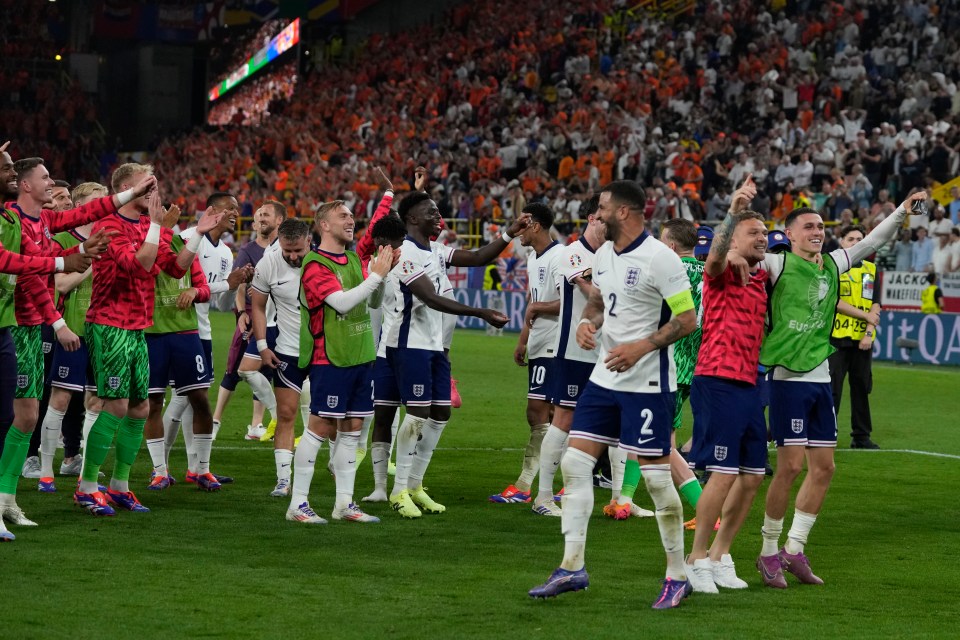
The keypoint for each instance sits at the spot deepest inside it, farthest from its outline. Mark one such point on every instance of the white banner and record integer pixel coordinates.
(902, 289)
(950, 285)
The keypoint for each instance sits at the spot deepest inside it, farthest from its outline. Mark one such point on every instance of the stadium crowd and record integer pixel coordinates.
(553, 126)
(834, 107)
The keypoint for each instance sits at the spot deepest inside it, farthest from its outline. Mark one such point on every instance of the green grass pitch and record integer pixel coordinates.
(227, 565)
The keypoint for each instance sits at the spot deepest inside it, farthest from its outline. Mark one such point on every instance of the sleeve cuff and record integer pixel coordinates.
(58, 262)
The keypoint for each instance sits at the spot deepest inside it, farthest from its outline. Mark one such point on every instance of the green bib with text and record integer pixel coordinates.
(10, 234)
(167, 317)
(348, 338)
(75, 303)
(800, 315)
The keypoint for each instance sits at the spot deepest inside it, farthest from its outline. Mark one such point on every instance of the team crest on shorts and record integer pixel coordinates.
(47, 347)
(796, 425)
(113, 382)
(720, 453)
(282, 366)
(23, 382)
(572, 389)
(333, 401)
(542, 274)
(418, 390)
(63, 372)
(632, 278)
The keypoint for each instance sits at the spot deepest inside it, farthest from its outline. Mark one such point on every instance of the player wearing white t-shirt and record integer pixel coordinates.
(389, 230)
(574, 364)
(415, 344)
(277, 278)
(803, 300)
(536, 345)
(640, 289)
(216, 261)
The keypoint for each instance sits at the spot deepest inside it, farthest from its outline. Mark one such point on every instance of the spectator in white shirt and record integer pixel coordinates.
(803, 171)
(939, 227)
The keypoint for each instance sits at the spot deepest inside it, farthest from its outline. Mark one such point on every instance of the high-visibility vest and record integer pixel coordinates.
(928, 300)
(856, 289)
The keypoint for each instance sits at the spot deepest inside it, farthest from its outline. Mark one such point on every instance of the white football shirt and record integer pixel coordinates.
(635, 285)
(417, 325)
(216, 260)
(388, 312)
(542, 287)
(281, 282)
(574, 260)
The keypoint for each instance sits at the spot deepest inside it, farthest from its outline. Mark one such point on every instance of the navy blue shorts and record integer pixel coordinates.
(289, 375)
(423, 376)
(540, 374)
(763, 384)
(177, 360)
(8, 379)
(71, 369)
(729, 430)
(340, 392)
(801, 414)
(385, 390)
(208, 354)
(640, 422)
(570, 378)
(252, 352)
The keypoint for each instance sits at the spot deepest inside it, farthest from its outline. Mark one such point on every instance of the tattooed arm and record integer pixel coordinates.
(717, 258)
(624, 356)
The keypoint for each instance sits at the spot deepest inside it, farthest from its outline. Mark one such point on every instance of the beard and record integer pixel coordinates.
(610, 231)
(294, 263)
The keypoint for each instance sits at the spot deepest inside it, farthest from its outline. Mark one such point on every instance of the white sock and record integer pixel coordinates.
(188, 440)
(172, 415)
(799, 530)
(429, 437)
(332, 450)
(618, 465)
(49, 435)
(157, 456)
(365, 432)
(202, 447)
(406, 440)
(304, 462)
(551, 452)
(531, 457)
(577, 467)
(345, 467)
(394, 427)
(771, 536)
(305, 404)
(119, 485)
(89, 417)
(380, 456)
(216, 428)
(283, 459)
(669, 515)
(261, 387)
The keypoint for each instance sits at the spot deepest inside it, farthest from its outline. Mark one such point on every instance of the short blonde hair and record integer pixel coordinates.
(87, 190)
(326, 208)
(122, 173)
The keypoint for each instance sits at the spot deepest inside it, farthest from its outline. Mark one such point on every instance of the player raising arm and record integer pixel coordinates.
(121, 307)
